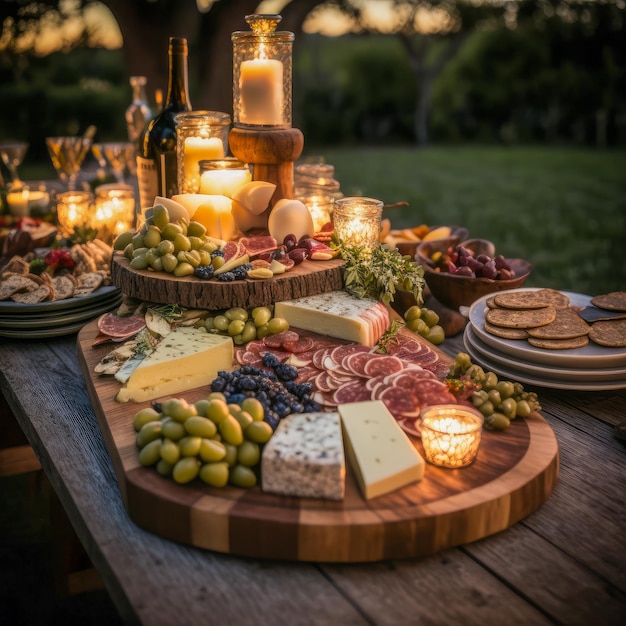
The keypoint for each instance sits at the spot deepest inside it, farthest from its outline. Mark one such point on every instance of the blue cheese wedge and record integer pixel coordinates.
(337, 314)
(187, 358)
(381, 455)
(305, 457)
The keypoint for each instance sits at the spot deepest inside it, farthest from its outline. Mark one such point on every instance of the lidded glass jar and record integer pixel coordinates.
(357, 221)
(312, 178)
(223, 176)
(200, 135)
(262, 74)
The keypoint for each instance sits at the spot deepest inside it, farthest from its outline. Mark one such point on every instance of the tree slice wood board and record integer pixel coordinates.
(306, 279)
(514, 473)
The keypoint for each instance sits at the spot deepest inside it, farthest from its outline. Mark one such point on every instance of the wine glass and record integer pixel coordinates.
(121, 157)
(12, 154)
(67, 155)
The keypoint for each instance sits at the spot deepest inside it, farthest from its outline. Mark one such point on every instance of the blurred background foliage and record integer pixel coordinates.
(557, 77)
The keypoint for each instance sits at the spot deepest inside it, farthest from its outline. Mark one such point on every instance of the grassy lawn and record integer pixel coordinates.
(562, 209)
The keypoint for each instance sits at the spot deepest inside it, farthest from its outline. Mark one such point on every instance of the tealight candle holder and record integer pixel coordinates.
(74, 210)
(357, 221)
(223, 176)
(200, 135)
(114, 212)
(320, 207)
(450, 434)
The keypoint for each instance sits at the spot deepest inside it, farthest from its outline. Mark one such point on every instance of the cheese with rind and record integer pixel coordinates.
(380, 453)
(305, 457)
(337, 314)
(187, 358)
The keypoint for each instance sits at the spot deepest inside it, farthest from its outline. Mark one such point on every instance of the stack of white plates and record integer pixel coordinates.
(57, 318)
(591, 368)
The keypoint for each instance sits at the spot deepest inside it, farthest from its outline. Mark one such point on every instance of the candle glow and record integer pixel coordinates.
(357, 221)
(198, 149)
(451, 434)
(73, 210)
(261, 89)
(21, 202)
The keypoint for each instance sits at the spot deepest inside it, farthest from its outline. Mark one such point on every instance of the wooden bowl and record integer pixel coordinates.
(455, 291)
(457, 233)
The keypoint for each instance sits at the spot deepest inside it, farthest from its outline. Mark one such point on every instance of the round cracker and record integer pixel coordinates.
(559, 344)
(521, 318)
(532, 299)
(566, 325)
(610, 333)
(506, 333)
(614, 301)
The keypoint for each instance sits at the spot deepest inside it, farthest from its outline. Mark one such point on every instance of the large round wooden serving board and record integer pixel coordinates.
(514, 473)
(306, 279)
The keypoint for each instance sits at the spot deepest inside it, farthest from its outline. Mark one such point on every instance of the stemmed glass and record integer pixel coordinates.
(67, 155)
(12, 154)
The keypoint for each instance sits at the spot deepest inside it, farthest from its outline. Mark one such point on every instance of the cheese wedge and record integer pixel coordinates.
(380, 453)
(337, 314)
(187, 358)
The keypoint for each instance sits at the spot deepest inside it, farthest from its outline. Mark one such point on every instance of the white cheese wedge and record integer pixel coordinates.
(337, 314)
(305, 457)
(380, 453)
(187, 358)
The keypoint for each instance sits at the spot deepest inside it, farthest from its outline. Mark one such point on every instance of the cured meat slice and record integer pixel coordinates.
(279, 340)
(244, 357)
(307, 374)
(118, 327)
(304, 344)
(399, 402)
(353, 391)
(340, 352)
(356, 362)
(408, 378)
(383, 364)
(330, 364)
(321, 382)
(430, 393)
(259, 244)
(372, 383)
(301, 359)
(319, 356)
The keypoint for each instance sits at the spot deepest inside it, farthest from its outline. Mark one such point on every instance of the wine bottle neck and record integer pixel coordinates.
(177, 84)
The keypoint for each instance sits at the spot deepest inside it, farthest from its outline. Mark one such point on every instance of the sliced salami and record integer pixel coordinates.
(353, 391)
(383, 364)
(319, 356)
(304, 344)
(280, 339)
(399, 402)
(301, 359)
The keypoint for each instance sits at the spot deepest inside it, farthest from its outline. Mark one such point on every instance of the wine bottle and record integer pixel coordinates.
(138, 114)
(156, 161)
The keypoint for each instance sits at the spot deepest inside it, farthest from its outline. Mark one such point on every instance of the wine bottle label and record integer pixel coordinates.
(148, 183)
(168, 179)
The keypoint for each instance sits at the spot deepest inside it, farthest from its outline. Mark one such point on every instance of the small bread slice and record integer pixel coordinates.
(32, 297)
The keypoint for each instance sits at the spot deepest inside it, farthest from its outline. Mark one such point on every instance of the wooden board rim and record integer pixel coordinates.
(253, 524)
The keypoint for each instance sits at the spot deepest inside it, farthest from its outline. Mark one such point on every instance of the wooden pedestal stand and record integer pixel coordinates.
(272, 153)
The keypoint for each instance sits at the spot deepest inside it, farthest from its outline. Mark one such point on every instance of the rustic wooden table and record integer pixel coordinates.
(564, 564)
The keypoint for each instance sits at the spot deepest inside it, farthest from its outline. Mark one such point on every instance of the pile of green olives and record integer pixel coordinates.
(244, 326)
(500, 401)
(425, 322)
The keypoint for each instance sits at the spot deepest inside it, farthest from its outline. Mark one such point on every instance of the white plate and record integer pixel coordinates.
(514, 374)
(589, 357)
(547, 371)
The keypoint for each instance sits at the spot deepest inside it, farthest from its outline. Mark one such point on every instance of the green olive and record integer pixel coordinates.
(183, 269)
(236, 327)
(430, 317)
(170, 231)
(277, 325)
(261, 315)
(153, 237)
(123, 240)
(139, 262)
(160, 216)
(166, 247)
(196, 229)
(170, 262)
(412, 313)
(237, 313)
(221, 322)
(436, 335)
(181, 242)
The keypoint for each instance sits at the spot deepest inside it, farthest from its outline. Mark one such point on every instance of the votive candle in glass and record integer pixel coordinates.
(22, 202)
(450, 434)
(200, 135)
(262, 74)
(115, 211)
(357, 221)
(223, 177)
(319, 206)
(74, 210)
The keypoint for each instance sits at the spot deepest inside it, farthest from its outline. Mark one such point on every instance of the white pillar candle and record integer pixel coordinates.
(21, 202)
(224, 182)
(261, 89)
(199, 149)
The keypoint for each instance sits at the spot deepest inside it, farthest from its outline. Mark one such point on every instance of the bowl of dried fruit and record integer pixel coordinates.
(457, 274)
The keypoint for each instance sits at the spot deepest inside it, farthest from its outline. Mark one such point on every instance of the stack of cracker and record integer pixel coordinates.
(92, 270)
(547, 319)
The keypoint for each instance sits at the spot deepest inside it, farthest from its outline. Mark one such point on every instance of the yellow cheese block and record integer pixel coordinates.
(380, 453)
(187, 358)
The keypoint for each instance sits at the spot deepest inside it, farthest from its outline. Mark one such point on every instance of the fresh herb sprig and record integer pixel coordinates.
(379, 272)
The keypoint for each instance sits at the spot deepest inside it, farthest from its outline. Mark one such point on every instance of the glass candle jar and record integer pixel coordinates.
(26, 202)
(262, 74)
(223, 176)
(74, 211)
(200, 135)
(310, 178)
(450, 434)
(319, 206)
(357, 221)
(115, 211)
